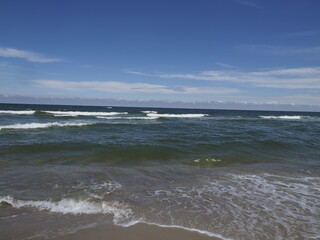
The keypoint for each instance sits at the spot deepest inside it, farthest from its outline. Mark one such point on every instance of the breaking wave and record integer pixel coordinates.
(119, 210)
(43, 125)
(79, 113)
(167, 115)
(147, 112)
(283, 117)
(128, 118)
(27, 112)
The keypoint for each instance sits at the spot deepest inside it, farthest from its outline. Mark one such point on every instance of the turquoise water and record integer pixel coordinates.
(233, 174)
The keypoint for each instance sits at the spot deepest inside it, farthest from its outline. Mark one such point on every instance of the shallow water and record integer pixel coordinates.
(232, 174)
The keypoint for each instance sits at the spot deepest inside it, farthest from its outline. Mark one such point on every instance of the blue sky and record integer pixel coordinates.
(180, 50)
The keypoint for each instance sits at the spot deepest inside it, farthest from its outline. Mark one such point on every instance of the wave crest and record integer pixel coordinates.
(282, 117)
(42, 125)
(128, 118)
(79, 113)
(119, 210)
(167, 115)
(27, 112)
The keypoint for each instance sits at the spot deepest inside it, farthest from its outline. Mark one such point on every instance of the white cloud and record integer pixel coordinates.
(123, 87)
(224, 65)
(291, 78)
(138, 73)
(27, 55)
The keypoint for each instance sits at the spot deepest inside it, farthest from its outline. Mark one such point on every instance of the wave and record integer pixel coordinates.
(146, 112)
(79, 113)
(129, 118)
(251, 200)
(210, 234)
(27, 112)
(167, 115)
(122, 213)
(43, 125)
(119, 210)
(206, 162)
(283, 117)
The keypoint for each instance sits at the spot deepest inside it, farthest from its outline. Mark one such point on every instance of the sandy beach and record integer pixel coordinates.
(136, 232)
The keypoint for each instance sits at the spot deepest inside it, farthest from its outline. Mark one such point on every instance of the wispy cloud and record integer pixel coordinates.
(291, 78)
(138, 73)
(123, 87)
(278, 50)
(27, 55)
(224, 65)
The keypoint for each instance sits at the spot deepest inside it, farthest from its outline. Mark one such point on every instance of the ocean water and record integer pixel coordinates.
(227, 174)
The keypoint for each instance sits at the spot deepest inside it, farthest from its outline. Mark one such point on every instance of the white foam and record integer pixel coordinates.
(282, 117)
(167, 115)
(79, 113)
(210, 234)
(98, 190)
(27, 112)
(207, 160)
(42, 125)
(71, 206)
(146, 112)
(128, 118)
(252, 202)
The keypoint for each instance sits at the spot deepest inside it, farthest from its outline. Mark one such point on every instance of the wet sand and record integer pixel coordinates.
(137, 232)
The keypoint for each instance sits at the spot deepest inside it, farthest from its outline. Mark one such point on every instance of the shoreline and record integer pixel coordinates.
(137, 231)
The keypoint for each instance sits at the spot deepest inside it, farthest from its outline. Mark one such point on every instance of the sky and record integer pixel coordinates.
(241, 51)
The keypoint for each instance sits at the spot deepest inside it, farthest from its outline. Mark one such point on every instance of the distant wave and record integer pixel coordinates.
(79, 113)
(42, 125)
(282, 117)
(128, 118)
(27, 112)
(146, 112)
(72, 206)
(167, 115)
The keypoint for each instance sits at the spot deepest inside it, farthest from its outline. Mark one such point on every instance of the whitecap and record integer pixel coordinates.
(119, 210)
(146, 112)
(167, 115)
(282, 117)
(80, 113)
(128, 118)
(42, 125)
(27, 112)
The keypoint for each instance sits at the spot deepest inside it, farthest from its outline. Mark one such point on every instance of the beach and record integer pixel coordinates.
(136, 232)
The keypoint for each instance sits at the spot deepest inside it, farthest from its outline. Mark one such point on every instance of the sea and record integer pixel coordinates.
(228, 174)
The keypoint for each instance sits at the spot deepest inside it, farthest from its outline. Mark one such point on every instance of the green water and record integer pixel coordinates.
(238, 174)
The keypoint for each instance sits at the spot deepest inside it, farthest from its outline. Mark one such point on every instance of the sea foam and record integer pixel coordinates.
(146, 112)
(210, 234)
(282, 117)
(119, 211)
(128, 118)
(27, 112)
(253, 202)
(42, 125)
(167, 115)
(79, 113)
